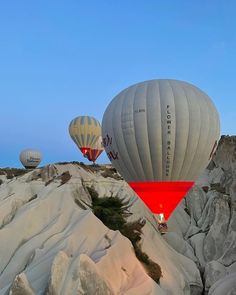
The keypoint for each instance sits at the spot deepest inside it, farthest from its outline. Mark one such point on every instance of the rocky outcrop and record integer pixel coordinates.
(21, 286)
(51, 242)
(211, 223)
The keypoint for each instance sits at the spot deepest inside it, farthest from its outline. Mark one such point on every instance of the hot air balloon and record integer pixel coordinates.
(30, 158)
(93, 153)
(160, 135)
(85, 132)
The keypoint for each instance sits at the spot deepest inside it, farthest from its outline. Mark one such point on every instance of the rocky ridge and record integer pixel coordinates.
(207, 232)
(51, 242)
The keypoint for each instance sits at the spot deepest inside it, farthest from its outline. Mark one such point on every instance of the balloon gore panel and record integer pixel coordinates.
(93, 154)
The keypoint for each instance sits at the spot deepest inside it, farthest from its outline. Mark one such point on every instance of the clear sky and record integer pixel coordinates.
(61, 59)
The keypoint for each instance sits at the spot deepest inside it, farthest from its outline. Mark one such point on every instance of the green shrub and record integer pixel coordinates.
(93, 193)
(153, 270)
(113, 211)
(143, 257)
(133, 231)
(110, 210)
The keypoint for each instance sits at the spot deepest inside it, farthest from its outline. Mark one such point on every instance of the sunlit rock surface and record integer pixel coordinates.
(51, 242)
(211, 223)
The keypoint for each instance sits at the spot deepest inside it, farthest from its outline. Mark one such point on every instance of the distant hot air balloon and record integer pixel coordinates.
(160, 135)
(96, 151)
(85, 132)
(30, 158)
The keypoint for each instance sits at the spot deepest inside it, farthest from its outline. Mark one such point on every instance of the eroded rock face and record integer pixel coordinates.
(211, 223)
(53, 244)
(21, 286)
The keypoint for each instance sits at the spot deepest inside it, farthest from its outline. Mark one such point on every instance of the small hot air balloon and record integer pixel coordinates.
(85, 132)
(160, 135)
(96, 151)
(30, 158)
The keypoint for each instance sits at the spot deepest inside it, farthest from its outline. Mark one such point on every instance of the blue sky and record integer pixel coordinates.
(61, 59)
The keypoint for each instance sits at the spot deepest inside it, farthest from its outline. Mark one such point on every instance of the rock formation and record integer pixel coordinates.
(211, 222)
(52, 243)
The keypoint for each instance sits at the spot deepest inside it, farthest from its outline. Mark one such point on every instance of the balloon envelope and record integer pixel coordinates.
(85, 131)
(160, 135)
(30, 158)
(96, 151)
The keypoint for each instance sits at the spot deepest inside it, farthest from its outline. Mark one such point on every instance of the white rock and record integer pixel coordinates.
(224, 286)
(53, 244)
(21, 286)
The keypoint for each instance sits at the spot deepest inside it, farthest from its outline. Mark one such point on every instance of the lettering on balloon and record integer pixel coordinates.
(168, 143)
(31, 159)
(168, 121)
(107, 141)
(140, 111)
(112, 155)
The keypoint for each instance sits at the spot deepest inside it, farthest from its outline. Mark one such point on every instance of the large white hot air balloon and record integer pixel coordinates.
(160, 135)
(30, 158)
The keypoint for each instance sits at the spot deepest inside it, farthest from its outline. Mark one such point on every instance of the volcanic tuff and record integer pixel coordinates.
(52, 243)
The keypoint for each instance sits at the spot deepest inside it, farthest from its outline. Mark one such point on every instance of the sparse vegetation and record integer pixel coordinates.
(153, 270)
(12, 172)
(93, 193)
(110, 210)
(113, 211)
(65, 163)
(112, 173)
(217, 187)
(36, 175)
(133, 231)
(65, 177)
(73, 162)
(106, 171)
(91, 168)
